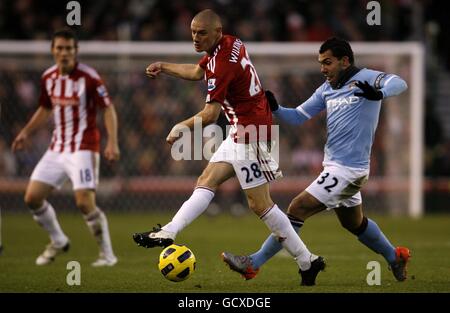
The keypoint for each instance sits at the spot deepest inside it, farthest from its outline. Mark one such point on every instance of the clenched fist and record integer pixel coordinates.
(153, 70)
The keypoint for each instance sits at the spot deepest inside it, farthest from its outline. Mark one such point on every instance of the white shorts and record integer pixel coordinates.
(338, 185)
(81, 167)
(252, 163)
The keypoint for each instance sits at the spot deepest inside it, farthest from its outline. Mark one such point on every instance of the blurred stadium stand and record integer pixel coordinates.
(143, 124)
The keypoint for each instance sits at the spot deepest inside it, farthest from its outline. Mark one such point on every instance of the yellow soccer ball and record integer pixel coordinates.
(177, 262)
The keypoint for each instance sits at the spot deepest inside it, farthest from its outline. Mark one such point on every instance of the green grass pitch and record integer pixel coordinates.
(428, 239)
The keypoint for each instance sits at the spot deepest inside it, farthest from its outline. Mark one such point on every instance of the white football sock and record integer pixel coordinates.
(190, 210)
(46, 217)
(98, 225)
(280, 226)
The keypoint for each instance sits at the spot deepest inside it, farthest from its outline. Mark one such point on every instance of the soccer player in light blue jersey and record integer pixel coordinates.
(352, 98)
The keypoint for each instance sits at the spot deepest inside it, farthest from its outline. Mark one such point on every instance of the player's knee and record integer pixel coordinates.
(297, 208)
(85, 203)
(206, 180)
(252, 204)
(256, 207)
(82, 205)
(259, 204)
(33, 201)
(202, 179)
(85, 207)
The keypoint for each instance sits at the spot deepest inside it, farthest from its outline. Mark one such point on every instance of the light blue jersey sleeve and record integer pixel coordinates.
(389, 84)
(311, 107)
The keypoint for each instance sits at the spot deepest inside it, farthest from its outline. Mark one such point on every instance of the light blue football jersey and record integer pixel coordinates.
(351, 120)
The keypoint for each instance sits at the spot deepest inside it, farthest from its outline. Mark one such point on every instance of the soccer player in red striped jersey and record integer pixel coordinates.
(234, 87)
(73, 92)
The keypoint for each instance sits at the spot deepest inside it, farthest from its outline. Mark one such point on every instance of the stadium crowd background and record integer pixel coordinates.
(141, 119)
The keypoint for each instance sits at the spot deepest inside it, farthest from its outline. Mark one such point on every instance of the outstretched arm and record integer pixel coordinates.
(38, 119)
(290, 115)
(207, 116)
(299, 115)
(185, 71)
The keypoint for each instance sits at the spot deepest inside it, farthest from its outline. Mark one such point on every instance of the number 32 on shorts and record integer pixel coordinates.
(330, 182)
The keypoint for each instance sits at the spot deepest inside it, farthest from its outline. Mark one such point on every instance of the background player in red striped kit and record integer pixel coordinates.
(73, 92)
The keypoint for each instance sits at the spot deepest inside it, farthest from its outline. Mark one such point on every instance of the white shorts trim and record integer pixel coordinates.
(339, 185)
(252, 163)
(81, 167)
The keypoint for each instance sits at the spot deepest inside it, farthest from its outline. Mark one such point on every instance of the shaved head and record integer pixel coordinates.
(209, 18)
(206, 29)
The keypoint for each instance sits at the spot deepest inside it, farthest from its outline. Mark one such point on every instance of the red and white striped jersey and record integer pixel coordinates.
(233, 82)
(74, 99)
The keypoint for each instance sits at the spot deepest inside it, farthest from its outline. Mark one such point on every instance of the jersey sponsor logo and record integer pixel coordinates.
(211, 84)
(70, 96)
(64, 102)
(341, 103)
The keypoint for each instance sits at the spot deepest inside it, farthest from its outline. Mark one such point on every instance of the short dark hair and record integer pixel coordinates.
(65, 33)
(339, 47)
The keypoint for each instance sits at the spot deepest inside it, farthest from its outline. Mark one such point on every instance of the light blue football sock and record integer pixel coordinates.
(271, 246)
(374, 238)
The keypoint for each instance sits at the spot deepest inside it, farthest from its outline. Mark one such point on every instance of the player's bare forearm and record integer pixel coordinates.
(184, 71)
(39, 118)
(110, 117)
(208, 115)
(112, 152)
